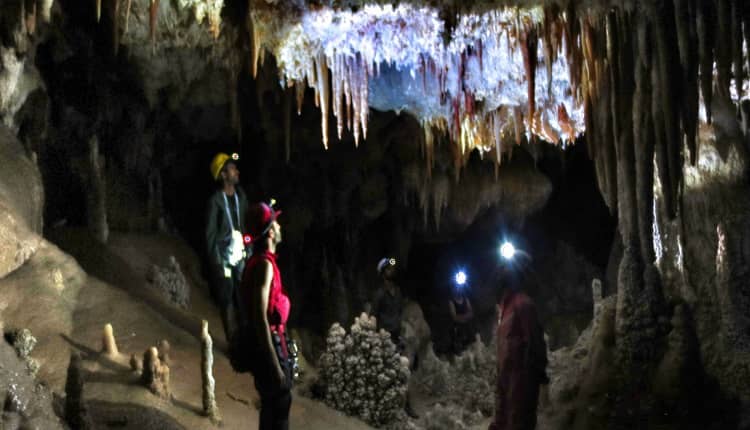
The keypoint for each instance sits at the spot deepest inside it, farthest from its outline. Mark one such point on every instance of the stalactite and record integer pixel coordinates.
(571, 35)
(28, 11)
(723, 46)
(517, 124)
(256, 44)
(644, 143)
(497, 133)
(685, 12)
(746, 27)
(152, 22)
(547, 45)
(127, 14)
(660, 144)
(336, 93)
(322, 88)
(616, 77)
(668, 68)
(736, 45)
(706, 37)
(115, 8)
(98, 10)
(529, 43)
(287, 112)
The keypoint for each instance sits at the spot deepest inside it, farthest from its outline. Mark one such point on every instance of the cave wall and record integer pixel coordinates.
(705, 250)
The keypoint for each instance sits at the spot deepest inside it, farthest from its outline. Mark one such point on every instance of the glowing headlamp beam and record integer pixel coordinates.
(507, 250)
(460, 278)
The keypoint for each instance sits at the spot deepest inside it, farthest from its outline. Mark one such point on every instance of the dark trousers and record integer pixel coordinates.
(223, 291)
(275, 401)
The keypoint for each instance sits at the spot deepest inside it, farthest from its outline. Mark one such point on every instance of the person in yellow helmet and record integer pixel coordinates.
(225, 233)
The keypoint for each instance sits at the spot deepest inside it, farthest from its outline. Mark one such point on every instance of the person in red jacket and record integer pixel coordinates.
(521, 357)
(268, 310)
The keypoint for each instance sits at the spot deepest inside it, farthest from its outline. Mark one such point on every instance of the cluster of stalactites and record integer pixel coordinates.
(119, 12)
(340, 82)
(34, 10)
(646, 72)
(344, 93)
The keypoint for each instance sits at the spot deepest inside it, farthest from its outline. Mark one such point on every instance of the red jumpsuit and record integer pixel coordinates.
(521, 358)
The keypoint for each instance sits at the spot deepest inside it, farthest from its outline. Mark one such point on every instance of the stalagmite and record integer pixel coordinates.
(155, 375)
(109, 346)
(164, 349)
(136, 365)
(207, 361)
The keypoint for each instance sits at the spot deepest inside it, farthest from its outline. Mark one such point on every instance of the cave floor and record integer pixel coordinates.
(116, 291)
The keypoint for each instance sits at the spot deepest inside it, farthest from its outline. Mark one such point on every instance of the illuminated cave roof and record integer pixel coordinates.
(469, 81)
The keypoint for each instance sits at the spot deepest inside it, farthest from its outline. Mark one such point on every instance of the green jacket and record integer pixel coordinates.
(218, 228)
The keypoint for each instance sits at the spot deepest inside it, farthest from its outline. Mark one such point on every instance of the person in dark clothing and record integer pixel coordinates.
(462, 316)
(225, 228)
(521, 358)
(268, 307)
(388, 304)
(388, 309)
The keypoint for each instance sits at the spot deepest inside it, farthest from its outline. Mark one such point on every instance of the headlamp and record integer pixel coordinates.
(392, 261)
(460, 278)
(235, 156)
(507, 250)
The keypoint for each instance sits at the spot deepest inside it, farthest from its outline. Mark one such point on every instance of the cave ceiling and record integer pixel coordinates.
(483, 75)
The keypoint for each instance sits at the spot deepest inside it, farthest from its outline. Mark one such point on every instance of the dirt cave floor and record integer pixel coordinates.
(66, 301)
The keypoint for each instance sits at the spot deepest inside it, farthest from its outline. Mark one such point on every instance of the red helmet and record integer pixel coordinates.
(260, 216)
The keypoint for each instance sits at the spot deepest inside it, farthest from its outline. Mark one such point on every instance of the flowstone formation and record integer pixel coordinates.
(362, 372)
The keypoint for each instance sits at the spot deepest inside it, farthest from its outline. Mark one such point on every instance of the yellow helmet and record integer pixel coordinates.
(217, 164)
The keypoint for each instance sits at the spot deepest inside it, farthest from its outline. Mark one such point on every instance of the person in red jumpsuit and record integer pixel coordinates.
(521, 357)
(268, 310)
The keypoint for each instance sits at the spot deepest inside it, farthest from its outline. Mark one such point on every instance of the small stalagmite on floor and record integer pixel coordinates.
(164, 349)
(209, 384)
(155, 375)
(109, 345)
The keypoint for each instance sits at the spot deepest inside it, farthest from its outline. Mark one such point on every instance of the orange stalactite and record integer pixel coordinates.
(529, 43)
(564, 121)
